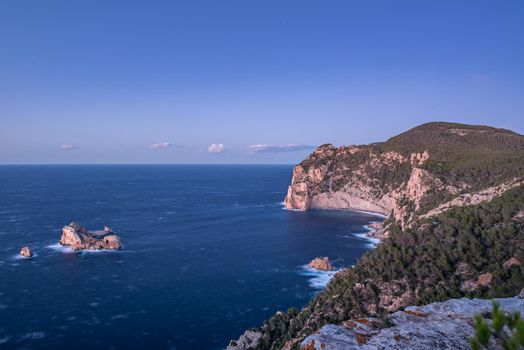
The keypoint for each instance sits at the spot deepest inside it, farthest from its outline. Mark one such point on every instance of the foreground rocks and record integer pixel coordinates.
(445, 325)
(78, 238)
(26, 252)
(321, 263)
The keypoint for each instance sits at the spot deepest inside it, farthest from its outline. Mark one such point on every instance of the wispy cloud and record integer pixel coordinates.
(68, 147)
(262, 148)
(216, 148)
(160, 145)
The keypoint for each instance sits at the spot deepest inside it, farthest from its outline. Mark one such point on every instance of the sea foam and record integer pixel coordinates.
(68, 250)
(60, 248)
(317, 279)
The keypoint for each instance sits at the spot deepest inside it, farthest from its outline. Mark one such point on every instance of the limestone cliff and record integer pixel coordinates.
(424, 171)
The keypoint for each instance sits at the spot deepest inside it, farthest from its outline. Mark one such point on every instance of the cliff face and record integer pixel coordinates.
(424, 171)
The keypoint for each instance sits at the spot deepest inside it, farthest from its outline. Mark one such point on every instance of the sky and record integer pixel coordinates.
(225, 81)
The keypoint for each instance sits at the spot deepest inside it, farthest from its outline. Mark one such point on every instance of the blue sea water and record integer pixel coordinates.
(208, 252)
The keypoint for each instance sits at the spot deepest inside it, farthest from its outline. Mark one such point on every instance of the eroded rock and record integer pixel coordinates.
(485, 280)
(321, 263)
(26, 252)
(78, 238)
(510, 263)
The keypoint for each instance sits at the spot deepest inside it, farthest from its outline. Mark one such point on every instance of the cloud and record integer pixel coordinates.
(68, 147)
(216, 148)
(261, 148)
(161, 145)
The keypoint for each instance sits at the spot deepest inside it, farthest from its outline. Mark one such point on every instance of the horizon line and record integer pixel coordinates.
(44, 164)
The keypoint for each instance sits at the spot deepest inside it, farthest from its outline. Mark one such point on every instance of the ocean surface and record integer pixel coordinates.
(208, 252)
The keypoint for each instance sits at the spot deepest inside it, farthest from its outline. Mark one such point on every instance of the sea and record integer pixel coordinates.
(208, 252)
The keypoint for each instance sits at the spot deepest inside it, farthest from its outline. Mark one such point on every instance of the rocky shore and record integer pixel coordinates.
(78, 238)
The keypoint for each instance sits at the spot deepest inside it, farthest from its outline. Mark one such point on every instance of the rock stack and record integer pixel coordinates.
(78, 238)
(26, 252)
(321, 263)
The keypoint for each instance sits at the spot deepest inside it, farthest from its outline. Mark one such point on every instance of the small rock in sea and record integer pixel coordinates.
(26, 252)
(78, 238)
(321, 263)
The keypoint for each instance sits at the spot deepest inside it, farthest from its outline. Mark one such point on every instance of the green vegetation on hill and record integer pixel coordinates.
(432, 261)
(477, 155)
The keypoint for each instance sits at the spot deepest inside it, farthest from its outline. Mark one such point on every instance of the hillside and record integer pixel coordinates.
(454, 197)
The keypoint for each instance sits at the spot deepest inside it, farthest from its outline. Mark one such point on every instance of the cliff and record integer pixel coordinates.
(424, 171)
(453, 195)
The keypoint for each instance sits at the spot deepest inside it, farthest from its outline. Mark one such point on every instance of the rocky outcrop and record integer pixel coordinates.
(445, 325)
(26, 252)
(511, 263)
(78, 238)
(321, 263)
(247, 341)
(485, 280)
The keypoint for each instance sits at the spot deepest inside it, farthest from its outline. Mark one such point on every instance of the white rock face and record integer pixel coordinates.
(445, 325)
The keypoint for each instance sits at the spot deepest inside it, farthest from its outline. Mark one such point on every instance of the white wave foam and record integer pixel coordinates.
(98, 251)
(33, 336)
(68, 250)
(60, 248)
(290, 209)
(372, 242)
(318, 279)
(20, 257)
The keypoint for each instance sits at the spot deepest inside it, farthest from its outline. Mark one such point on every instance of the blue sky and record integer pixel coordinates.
(247, 81)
